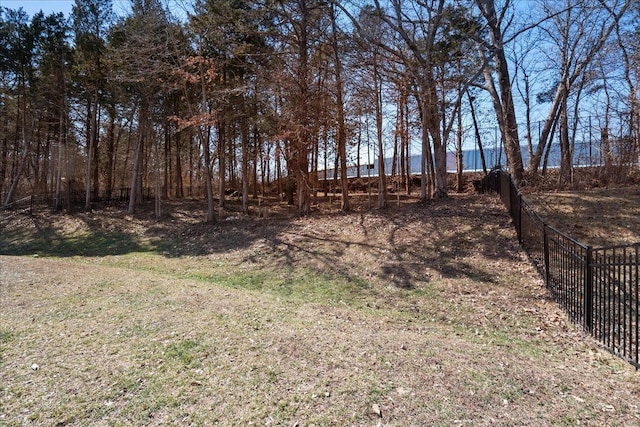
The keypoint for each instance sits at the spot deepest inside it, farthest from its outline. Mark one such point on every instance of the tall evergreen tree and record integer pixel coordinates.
(143, 54)
(91, 22)
(18, 68)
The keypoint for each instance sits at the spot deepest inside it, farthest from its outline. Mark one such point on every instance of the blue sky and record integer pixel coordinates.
(120, 7)
(31, 7)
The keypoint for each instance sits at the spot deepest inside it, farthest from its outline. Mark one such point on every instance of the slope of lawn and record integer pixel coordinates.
(598, 217)
(414, 315)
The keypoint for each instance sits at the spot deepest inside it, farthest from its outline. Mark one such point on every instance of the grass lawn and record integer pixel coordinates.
(414, 315)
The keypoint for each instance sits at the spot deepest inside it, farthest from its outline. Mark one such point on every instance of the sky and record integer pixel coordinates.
(31, 7)
(120, 7)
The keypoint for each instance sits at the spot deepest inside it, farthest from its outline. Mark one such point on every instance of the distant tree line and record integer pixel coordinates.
(259, 94)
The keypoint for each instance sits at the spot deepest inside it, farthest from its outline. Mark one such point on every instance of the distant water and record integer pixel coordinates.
(585, 154)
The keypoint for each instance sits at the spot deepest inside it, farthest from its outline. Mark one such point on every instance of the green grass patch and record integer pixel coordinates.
(185, 352)
(5, 338)
(301, 284)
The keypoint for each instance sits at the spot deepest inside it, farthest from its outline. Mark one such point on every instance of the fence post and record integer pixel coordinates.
(588, 290)
(545, 251)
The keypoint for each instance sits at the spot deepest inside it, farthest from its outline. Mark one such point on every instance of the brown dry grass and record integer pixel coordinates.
(598, 217)
(416, 315)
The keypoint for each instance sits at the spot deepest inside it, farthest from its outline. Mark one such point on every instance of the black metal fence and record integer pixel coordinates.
(24, 205)
(597, 287)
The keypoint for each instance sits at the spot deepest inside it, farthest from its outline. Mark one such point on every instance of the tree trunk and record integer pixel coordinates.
(21, 165)
(4, 153)
(510, 123)
(301, 140)
(255, 158)
(425, 157)
(61, 147)
(440, 157)
(91, 116)
(407, 148)
(607, 153)
(396, 149)
(157, 194)
(527, 105)
(547, 131)
(342, 132)
(476, 130)
(459, 159)
(244, 136)
(315, 157)
(548, 147)
(430, 118)
(504, 104)
(404, 143)
(358, 147)
(111, 141)
(211, 213)
(278, 156)
(137, 158)
(382, 182)
(95, 180)
(566, 163)
(135, 175)
(325, 159)
(221, 162)
(166, 181)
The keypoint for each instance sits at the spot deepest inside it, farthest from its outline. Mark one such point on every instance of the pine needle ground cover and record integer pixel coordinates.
(414, 315)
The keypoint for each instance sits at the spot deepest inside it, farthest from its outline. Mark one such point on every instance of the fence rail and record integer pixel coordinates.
(597, 287)
(24, 205)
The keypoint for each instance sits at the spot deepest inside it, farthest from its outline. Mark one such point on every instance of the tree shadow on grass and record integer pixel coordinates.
(50, 243)
(400, 246)
(180, 232)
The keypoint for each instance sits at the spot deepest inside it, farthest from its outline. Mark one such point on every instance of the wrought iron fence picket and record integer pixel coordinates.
(598, 288)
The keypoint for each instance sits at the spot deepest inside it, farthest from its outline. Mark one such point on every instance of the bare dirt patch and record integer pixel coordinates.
(414, 315)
